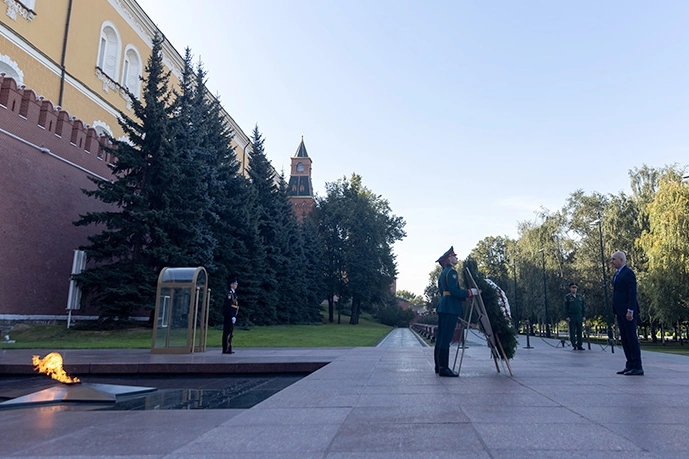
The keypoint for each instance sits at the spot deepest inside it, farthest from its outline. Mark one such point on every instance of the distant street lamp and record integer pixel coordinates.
(515, 316)
(608, 324)
(545, 297)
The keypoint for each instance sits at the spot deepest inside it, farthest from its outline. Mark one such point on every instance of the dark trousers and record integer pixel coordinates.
(227, 334)
(575, 331)
(443, 338)
(630, 342)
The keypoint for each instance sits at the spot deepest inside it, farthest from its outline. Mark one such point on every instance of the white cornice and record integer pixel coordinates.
(140, 23)
(137, 20)
(14, 7)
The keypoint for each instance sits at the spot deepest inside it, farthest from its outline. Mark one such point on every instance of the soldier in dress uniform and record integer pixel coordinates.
(575, 315)
(229, 312)
(449, 309)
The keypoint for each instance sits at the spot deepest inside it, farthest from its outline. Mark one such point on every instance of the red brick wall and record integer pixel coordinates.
(40, 197)
(302, 206)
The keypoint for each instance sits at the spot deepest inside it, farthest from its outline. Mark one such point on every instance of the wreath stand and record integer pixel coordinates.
(484, 326)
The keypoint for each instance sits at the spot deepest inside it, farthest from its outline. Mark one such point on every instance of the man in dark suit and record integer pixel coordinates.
(626, 309)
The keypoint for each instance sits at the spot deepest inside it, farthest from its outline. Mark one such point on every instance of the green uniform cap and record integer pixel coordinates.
(446, 254)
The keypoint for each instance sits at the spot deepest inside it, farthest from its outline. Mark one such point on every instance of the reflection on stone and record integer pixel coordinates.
(75, 393)
(197, 392)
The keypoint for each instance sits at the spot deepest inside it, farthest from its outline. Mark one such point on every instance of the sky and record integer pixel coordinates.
(468, 117)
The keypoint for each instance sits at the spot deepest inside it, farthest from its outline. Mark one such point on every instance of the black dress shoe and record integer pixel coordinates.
(580, 348)
(634, 372)
(226, 352)
(622, 372)
(447, 372)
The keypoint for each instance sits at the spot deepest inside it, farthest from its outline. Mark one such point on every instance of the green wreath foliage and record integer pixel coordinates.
(502, 327)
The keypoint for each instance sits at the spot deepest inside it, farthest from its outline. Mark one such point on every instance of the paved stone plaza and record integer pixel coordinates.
(382, 402)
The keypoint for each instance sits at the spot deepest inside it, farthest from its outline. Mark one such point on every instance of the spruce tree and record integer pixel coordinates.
(229, 221)
(135, 242)
(293, 307)
(313, 269)
(240, 249)
(263, 182)
(193, 203)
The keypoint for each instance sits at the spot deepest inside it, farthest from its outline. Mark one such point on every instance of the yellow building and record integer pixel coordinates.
(80, 54)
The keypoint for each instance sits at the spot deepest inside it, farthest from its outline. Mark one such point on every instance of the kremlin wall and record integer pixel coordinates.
(46, 156)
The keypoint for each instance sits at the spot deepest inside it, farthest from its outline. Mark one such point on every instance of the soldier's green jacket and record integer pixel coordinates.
(452, 294)
(575, 306)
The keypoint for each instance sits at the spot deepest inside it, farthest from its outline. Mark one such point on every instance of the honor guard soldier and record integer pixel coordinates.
(575, 315)
(229, 312)
(449, 309)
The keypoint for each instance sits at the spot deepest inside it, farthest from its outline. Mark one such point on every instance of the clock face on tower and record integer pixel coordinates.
(300, 167)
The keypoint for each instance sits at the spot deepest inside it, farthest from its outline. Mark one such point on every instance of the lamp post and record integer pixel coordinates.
(515, 316)
(545, 297)
(608, 324)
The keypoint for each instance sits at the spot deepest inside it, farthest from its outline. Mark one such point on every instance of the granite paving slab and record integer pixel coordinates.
(386, 402)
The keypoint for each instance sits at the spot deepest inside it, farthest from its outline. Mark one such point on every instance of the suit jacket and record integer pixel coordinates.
(453, 295)
(624, 292)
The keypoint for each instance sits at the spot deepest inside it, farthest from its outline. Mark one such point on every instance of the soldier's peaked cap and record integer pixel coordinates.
(451, 251)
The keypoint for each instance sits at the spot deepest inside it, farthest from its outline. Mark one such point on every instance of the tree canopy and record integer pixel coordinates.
(358, 231)
(574, 244)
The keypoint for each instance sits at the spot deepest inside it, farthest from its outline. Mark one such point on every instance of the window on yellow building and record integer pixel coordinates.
(109, 50)
(131, 70)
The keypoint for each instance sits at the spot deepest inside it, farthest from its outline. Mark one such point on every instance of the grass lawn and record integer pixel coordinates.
(668, 348)
(366, 333)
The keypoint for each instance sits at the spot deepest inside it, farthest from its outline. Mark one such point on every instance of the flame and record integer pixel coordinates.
(52, 366)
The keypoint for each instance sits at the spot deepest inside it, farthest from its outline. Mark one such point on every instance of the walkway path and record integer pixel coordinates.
(385, 402)
(402, 337)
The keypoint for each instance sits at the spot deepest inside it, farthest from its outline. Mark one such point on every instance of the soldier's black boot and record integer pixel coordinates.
(448, 372)
(443, 359)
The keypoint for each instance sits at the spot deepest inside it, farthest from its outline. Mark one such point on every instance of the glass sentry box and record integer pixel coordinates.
(181, 313)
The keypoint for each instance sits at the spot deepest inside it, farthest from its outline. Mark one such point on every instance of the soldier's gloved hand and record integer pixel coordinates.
(474, 291)
(234, 319)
